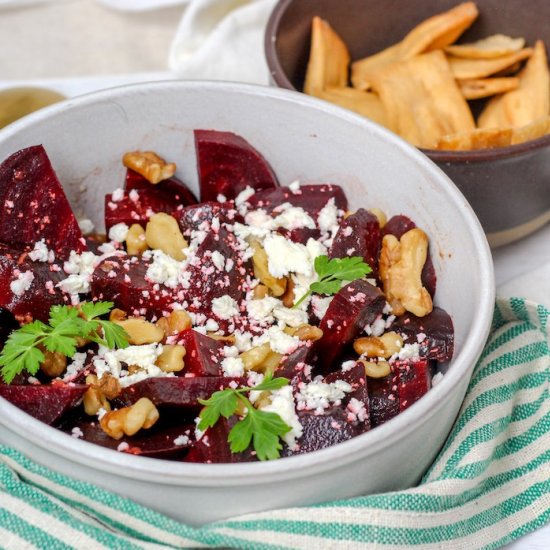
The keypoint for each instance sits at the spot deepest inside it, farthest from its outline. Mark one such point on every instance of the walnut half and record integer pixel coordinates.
(152, 167)
(401, 263)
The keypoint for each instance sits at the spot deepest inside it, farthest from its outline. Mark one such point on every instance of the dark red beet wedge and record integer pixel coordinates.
(191, 217)
(136, 208)
(207, 281)
(170, 190)
(437, 328)
(322, 431)
(296, 366)
(202, 354)
(177, 391)
(34, 205)
(383, 399)
(36, 301)
(300, 235)
(227, 164)
(414, 379)
(213, 446)
(398, 226)
(312, 198)
(46, 403)
(129, 289)
(358, 235)
(354, 306)
(157, 442)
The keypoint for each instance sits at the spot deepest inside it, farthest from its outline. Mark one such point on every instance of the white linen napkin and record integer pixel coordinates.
(222, 40)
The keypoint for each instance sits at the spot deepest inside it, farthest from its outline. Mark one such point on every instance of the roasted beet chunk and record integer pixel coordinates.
(27, 289)
(354, 306)
(208, 279)
(46, 403)
(123, 281)
(135, 207)
(171, 190)
(312, 198)
(398, 226)
(358, 235)
(164, 440)
(190, 218)
(228, 164)
(177, 391)
(414, 379)
(213, 447)
(300, 235)
(202, 354)
(34, 205)
(434, 333)
(383, 399)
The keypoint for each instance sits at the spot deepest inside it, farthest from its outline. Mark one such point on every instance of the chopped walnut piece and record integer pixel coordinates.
(129, 420)
(178, 321)
(171, 358)
(140, 331)
(401, 263)
(54, 363)
(152, 167)
(163, 233)
(261, 271)
(135, 240)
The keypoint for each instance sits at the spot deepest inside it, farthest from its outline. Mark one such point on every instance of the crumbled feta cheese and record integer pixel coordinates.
(225, 307)
(76, 432)
(166, 271)
(244, 195)
(75, 366)
(232, 366)
(22, 283)
(320, 305)
(356, 410)
(348, 365)
(282, 403)
(280, 341)
(221, 198)
(86, 226)
(133, 195)
(261, 310)
(284, 257)
(123, 446)
(80, 268)
(318, 395)
(117, 195)
(218, 260)
(289, 316)
(211, 325)
(295, 187)
(118, 232)
(40, 252)
(294, 217)
(408, 351)
(181, 440)
(328, 217)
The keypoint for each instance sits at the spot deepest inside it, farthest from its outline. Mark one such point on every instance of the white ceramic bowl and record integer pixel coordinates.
(301, 138)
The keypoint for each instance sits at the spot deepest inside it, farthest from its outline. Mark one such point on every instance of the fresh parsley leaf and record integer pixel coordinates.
(332, 273)
(222, 403)
(23, 350)
(262, 429)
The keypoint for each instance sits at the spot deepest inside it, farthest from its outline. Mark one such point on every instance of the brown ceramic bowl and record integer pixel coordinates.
(509, 188)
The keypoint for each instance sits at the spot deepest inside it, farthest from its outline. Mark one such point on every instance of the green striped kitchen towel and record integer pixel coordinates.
(489, 485)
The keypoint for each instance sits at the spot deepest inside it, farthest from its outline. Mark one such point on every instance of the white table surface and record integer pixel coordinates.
(77, 46)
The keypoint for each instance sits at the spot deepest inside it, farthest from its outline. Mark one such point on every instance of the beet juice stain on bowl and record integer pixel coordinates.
(285, 289)
(507, 186)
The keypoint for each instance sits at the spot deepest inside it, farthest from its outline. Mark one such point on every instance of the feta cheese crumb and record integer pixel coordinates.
(117, 195)
(76, 432)
(181, 440)
(232, 366)
(295, 187)
(282, 403)
(118, 232)
(218, 260)
(123, 446)
(348, 365)
(40, 252)
(318, 396)
(356, 410)
(166, 271)
(438, 377)
(244, 195)
(284, 257)
(86, 226)
(22, 283)
(328, 217)
(225, 307)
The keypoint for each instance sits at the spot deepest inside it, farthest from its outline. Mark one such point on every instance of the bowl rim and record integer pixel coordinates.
(215, 475)
(281, 79)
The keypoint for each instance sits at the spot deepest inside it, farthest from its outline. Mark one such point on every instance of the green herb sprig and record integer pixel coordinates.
(263, 429)
(22, 350)
(332, 273)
